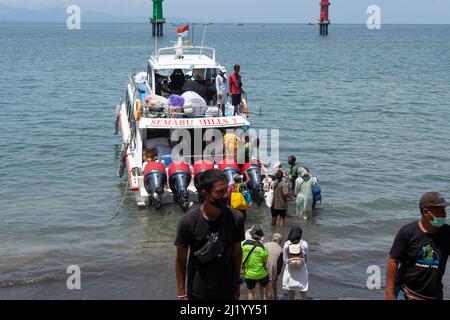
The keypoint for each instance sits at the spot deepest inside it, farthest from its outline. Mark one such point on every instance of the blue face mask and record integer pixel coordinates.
(437, 222)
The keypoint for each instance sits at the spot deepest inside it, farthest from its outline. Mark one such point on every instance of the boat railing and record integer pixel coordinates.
(178, 113)
(214, 158)
(170, 113)
(189, 50)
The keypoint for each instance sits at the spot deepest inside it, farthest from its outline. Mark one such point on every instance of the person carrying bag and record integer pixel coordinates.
(237, 199)
(238, 194)
(245, 261)
(247, 196)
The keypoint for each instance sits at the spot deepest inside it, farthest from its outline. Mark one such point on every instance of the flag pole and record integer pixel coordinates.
(203, 40)
(156, 46)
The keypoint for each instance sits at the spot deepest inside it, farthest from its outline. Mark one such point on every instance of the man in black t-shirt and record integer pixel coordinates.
(212, 234)
(418, 256)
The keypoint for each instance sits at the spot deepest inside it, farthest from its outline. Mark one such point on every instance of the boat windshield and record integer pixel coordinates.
(203, 74)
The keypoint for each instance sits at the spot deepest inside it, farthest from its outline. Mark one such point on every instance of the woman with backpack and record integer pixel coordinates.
(295, 255)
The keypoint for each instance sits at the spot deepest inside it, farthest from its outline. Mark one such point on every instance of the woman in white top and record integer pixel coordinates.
(295, 277)
(222, 89)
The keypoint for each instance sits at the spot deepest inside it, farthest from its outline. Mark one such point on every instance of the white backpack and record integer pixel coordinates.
(296, 258)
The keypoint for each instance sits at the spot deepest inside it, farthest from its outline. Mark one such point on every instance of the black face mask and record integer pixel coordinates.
(219, 203)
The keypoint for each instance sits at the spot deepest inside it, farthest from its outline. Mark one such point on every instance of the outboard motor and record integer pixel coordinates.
(229, 168)
(155, 179)
(255, 186)
(200, 167)
(179, 179)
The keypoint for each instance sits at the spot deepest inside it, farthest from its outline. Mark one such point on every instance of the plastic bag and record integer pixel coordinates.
(193, 99)
(237, 200)
(247, 197)
(317, 192)
(155, 102)
(176, 101)
(269, 198)
(195, 102)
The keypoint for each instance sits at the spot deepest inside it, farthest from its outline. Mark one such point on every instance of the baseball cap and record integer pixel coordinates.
(276, 237)
(223, 69)
(432, 199)
(276, 164)
(256, 231)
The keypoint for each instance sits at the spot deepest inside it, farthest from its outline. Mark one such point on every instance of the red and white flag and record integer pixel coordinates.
(182, 29)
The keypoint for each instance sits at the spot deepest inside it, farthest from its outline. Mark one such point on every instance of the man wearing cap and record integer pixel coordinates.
(254, 263)
(276, 167)
(221, 88)
(275, 261)
(418, 256)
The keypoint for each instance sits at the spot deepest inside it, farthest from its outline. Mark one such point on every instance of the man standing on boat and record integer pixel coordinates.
(222, 90)
(212, 234)
(236, 88)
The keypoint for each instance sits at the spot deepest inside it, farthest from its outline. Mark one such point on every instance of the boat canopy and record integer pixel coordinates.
(186, 57)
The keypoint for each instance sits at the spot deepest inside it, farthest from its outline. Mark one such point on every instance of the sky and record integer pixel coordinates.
(289, 11)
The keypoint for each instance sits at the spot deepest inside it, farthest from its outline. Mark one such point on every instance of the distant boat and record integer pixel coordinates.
(311, 24)
(239, 24)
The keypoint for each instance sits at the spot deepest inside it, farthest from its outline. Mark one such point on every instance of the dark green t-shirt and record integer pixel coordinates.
(293, 172)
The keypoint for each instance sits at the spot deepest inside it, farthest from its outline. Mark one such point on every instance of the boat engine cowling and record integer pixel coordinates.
(255, 186)
(155, 179)
(200, 167)
(229, 168)
(179, 179)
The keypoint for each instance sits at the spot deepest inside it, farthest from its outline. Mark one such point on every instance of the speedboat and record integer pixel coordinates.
(163, 103)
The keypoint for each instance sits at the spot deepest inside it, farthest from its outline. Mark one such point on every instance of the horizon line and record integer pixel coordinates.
(210, 22)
